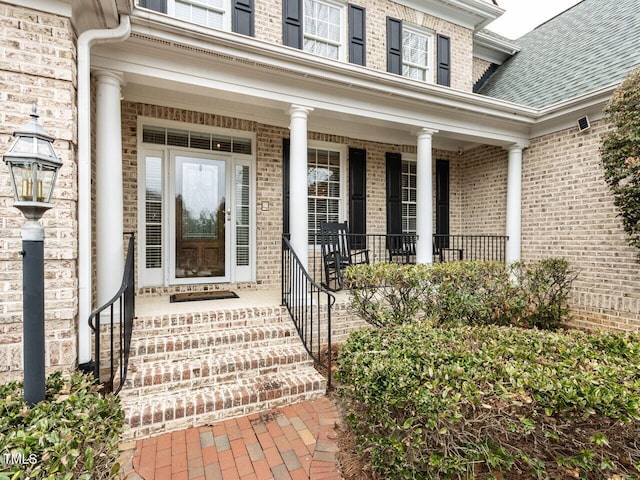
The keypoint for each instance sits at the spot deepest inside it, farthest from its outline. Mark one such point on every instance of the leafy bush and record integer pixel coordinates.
(620, 154)
(453, 403)
(547, 285)
(389, 293)
(463, 293)
(73, 434)
(476, 293)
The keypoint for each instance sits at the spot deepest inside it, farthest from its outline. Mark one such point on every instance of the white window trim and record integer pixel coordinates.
(431, 51)
(168, 228)
(342, 44)
(342, 205)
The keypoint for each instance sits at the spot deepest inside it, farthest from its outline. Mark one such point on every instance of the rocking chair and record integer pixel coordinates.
(337, 254)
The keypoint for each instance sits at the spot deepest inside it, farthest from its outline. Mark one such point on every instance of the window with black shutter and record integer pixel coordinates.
(242, 19)
(292, 23)
(394, 45)
(394, 192)
(442, 202)
(444, 61)
(157, 5)
(358, 195)
(357, 35)
(286, 154)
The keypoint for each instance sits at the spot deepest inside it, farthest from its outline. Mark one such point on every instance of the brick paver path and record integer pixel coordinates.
(290, 443)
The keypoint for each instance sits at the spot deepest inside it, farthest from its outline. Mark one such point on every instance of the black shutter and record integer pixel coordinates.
(242, 19)
(394, 193)
(292, 23)
(442, 202)
(157, 5)
(286, 153)
(358, 195)
(444, 61)
(357, 35)
(394, 45)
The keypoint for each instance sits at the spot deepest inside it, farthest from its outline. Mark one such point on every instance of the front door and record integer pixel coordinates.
(201, 237)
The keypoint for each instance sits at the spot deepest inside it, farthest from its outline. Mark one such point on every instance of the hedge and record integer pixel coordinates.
(463, 293)
(431, 403)
(73, 434)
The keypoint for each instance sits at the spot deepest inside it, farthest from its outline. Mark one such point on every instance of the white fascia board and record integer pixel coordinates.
(250, 51)
(565, 114)
(492, 49)
(56, 7)
(471, 14)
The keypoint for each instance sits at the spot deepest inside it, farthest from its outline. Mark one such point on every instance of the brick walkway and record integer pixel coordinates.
(290, 443)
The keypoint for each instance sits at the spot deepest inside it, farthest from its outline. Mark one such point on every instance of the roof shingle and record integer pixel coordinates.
(589, 46)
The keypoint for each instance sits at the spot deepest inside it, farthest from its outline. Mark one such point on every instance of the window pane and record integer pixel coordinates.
(322, 28)
(153, 212)
(324, 189)
(154, 135)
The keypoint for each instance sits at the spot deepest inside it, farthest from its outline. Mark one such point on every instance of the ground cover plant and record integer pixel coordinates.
(429, 403)
(463, 293)
(73, 434)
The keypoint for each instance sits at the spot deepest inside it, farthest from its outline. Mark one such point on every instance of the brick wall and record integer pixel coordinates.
(268, 183)
(483, 191)
(38, 61)
(479, 66)
(568, 212)
(268, 27)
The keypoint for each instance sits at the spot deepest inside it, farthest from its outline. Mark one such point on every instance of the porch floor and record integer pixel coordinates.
(148, 306)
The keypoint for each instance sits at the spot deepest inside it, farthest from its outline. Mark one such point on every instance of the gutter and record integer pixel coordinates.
(85, 41)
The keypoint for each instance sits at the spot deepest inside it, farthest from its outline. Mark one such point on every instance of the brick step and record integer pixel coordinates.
(237, 318)
(182, 345)
(229, 367)
(174, 410)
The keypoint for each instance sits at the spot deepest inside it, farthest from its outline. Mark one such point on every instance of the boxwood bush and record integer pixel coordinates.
(463, 293)
(73, 434)
(431, 403)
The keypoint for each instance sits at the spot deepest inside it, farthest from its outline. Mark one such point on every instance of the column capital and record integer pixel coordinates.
(426, 132)
(299, 111)
(110, 76)
(515, 147)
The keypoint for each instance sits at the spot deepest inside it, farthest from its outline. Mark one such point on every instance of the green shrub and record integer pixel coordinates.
(73, 434)
(462, 293)
(547, 286)
(452, 403)
(476, 293)
(388, 293)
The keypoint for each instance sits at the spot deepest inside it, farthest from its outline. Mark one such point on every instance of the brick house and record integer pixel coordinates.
(181, 120)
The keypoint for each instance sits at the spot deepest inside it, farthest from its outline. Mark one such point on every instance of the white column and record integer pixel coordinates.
(514, 204)
(424, 197)
(109, 209)
(298, 208)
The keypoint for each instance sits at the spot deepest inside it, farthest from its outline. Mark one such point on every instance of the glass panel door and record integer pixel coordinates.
(200, 215)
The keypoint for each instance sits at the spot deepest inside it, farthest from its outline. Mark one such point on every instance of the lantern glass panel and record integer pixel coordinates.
(46, 148)
(23, 145)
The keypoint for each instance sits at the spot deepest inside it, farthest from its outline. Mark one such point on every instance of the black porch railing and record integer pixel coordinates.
(113, 323)
(401, 248)
(309, 305)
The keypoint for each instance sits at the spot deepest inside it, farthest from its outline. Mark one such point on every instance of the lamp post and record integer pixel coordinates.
(33, 168)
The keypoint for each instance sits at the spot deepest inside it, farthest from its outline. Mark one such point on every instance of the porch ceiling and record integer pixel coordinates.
(347, 100)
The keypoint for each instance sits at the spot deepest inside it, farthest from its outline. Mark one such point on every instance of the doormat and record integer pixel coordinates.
(196, 296)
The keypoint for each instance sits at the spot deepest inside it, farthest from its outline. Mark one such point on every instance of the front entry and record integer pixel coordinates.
(196, 211)
(200, 218)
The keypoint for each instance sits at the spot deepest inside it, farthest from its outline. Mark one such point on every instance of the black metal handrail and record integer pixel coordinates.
(308, 304)
(125, 300)
(401, 248)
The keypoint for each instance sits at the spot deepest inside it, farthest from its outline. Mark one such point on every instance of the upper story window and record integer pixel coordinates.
(323, 26)
(211, 13)
(237, 16)
(411, 52)
(417, 54)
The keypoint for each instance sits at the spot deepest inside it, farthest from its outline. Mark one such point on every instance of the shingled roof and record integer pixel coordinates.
(589, 46)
